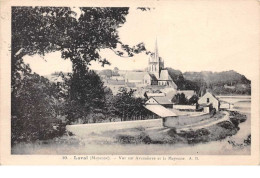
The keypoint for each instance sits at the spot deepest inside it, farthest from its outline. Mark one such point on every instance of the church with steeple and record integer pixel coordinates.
(155, 63)
(155, 75)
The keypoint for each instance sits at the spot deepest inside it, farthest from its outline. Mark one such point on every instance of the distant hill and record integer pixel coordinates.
(181, 82)
(219, 83)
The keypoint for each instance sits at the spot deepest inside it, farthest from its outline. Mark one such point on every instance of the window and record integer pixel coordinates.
(207, 100)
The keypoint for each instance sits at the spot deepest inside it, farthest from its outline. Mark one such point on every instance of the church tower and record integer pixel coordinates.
(155, 63)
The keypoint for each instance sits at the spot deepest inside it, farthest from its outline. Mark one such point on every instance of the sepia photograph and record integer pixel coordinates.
(173, 78)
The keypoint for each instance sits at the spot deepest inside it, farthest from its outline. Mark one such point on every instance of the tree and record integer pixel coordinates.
(193, 100)
(39, 30)
(85, 96)
(110, 109)
(180, 98)
(35, 110)
(45, 29)
(128, 107)
(181, 82)
(115, 72)
(123, 103)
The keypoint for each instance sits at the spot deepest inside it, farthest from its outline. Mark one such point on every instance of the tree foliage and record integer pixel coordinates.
(180, 98)
(45, 29)
(221, 83)
(128, 107)
(35, 109)
(182, 83)
(85, 95)
(36, 103)
(194, 99)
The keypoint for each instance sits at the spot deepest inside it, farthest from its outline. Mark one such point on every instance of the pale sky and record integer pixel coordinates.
(192, 36)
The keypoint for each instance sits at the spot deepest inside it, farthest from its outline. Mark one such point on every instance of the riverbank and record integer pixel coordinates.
(212, 132)
(150, 139)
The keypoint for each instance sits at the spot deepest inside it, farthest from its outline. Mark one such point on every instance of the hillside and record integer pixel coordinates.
(219, 83)
(181, 82)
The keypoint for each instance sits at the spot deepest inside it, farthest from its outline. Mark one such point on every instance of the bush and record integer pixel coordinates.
(234, 121)
(226, 125)
(144, 138)
(172, 132)
(202, 132)
(236, 118)
(128, 139)
(200, 135)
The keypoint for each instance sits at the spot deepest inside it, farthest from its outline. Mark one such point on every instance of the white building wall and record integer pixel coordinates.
(208, 98)
(151, 101)
(147, 79)
(191, 107)
(135, 81)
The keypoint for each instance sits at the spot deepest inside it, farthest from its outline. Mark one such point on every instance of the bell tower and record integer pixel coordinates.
(155, 63)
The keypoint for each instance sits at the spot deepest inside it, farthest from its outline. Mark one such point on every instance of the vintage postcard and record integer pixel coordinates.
(130, 82)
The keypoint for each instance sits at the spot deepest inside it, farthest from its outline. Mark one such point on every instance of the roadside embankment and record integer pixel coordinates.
(206, 133)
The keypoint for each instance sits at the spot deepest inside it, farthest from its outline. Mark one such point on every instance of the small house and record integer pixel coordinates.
(209, 99)
(169, 118)
(164, 101)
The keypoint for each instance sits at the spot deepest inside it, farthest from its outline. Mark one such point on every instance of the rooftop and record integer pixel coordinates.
(160, 110)
(162, 100)
(164, 75)
(135, 75)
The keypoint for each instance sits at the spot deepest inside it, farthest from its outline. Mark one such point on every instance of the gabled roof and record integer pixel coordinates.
(210, 94)
(164, 75)
(160, 110)
(153, 76)
(171, 83)
(214, 96)
(162, 100)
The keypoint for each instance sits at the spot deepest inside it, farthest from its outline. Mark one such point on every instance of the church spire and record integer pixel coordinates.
(156, 54)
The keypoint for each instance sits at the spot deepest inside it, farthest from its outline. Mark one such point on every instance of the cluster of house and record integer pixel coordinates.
(156, 85)
(155, 78)
(206, 103)
(172, 115)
